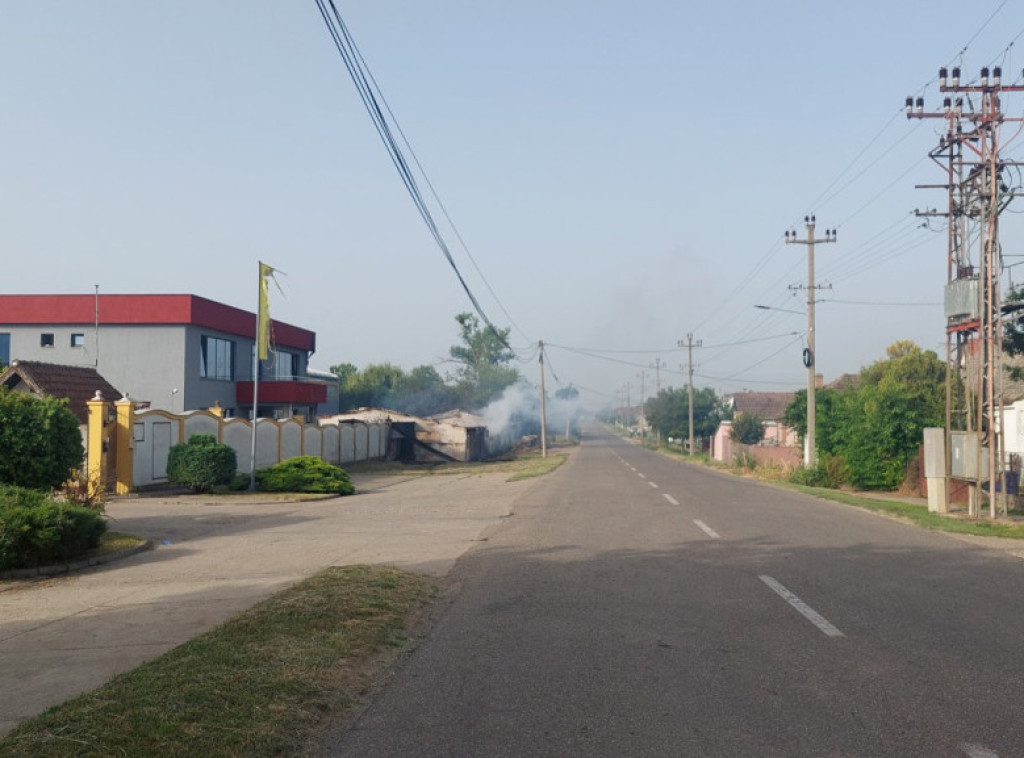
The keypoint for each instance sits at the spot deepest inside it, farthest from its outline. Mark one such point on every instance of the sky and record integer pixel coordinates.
(621, 173)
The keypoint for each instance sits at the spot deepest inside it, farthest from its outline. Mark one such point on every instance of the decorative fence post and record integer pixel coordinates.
(96, 447)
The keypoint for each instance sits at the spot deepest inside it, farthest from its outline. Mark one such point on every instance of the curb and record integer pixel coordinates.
(67, 568)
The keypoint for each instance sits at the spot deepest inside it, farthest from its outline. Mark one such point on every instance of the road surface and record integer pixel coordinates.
(637, 606)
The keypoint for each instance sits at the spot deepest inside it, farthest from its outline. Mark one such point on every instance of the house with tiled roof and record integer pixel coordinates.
(77, 384)
(770, 407)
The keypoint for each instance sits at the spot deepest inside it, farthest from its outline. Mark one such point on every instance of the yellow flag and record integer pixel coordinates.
(263, 320)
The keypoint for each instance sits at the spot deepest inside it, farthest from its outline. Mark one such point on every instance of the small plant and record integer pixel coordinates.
(85, 493)
(36, 530)
(201, 463)
(831, 473)
(304, 474)
(745, 459)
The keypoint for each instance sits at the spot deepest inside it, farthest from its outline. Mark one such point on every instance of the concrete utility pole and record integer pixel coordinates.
(689, 345)
(979, 186)
(658, 363)
(643, 415)
(543, 406)
(810, 451)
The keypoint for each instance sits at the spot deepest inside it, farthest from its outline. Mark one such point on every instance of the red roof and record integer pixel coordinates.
(146, 309)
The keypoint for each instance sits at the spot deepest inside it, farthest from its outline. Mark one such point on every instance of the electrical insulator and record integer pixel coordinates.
(942, 77)
(959, 106)
(920, 105)
(956, 76)
(997, 76)
(947, 104)
(812, 219)
(910, 106)
(984, 77)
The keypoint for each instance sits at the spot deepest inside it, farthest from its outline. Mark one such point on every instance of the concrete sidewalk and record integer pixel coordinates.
(214, 557)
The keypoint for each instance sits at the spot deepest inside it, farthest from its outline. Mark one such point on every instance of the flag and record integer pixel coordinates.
(263, 319)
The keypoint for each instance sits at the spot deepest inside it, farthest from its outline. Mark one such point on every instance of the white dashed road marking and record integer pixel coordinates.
(653, 485)
(977, 751)
(802, 608)
(707, 530)
(670, 498)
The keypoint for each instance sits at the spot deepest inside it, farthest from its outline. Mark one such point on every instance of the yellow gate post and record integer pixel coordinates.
(125, 445)
(96, 449)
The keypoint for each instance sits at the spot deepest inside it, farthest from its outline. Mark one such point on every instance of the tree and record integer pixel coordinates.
(567, 392)
(876, 426)
(39, 440)
(669, 412)
(483, 357)
(747, 428)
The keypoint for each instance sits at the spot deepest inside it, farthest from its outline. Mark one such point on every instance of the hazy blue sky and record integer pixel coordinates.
(622, 172)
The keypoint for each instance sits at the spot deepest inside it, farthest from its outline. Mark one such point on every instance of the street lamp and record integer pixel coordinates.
(784, 310)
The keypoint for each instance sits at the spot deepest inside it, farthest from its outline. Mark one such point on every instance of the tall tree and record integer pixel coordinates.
(669, 412)
(483, 357)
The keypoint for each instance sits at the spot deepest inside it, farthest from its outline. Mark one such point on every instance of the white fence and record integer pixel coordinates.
(155, 431)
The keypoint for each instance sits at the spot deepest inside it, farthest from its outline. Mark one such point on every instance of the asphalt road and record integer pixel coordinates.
(636, 606)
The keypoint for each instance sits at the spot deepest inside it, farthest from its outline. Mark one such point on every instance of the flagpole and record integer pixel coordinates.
(256, 376)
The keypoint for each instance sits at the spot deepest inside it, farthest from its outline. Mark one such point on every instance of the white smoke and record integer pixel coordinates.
(504, 416)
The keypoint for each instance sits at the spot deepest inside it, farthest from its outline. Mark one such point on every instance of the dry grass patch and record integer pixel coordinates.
(261, 684)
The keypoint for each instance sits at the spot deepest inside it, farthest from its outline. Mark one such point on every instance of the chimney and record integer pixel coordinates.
(819, 381)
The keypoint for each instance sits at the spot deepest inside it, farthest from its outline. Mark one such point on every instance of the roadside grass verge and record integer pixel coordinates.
(261, 684)
(918, 514)
(521, 465)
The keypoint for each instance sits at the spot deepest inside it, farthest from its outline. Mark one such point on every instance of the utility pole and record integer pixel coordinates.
(643, 415)
(689, 345)
(543, 406)
(658, 363)
(978, 190)
(810, 451)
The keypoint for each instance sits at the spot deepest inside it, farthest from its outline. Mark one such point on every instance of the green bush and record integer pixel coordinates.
(201, 462)
(36, 530)
(304, 474)
(39, 440)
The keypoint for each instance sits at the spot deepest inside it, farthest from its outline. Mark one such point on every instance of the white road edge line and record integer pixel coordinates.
(802, 608)
(707, 530)
(977, 751)
(670, 498)
(653, 485)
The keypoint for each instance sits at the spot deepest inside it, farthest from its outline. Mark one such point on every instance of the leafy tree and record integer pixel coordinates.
(876, 427)
(747, 428)
(39, 441)
(669, 412)
(424, 393)
(483, 357)
(567, 392)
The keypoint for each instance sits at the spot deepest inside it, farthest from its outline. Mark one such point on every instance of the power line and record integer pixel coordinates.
(371, 98)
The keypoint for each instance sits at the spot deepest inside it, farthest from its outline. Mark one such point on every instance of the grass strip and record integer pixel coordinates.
(525, 465)
(258, 685)
(918, 514)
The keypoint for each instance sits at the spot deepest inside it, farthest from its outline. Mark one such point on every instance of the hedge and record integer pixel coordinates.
(201, 462)
(305, 473)
(36, 530)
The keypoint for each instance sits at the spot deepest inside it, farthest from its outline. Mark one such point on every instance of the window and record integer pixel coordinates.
(46, 339)
(77, 340)
(284, 365)
(217, 359)
(5, 348)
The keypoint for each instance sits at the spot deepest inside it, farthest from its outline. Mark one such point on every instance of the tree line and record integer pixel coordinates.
(867, 431)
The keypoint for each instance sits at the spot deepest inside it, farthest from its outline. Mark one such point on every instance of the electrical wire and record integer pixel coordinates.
(371, 98)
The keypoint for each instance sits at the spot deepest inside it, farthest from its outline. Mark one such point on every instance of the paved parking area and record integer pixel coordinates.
(214, 557)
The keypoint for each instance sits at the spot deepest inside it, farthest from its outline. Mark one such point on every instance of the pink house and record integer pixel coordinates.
(780, 443)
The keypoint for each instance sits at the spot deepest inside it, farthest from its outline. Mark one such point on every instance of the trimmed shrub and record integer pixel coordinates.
(831, 473)
(201, 463)
(304, 474)
(40, 441)
(36, 530)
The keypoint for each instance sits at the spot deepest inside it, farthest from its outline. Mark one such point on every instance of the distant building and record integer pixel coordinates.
(176, 352)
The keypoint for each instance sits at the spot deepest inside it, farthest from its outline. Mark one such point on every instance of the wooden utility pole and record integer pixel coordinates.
(658, 363)
(810, 451)
(643, 414)
(689, 345)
